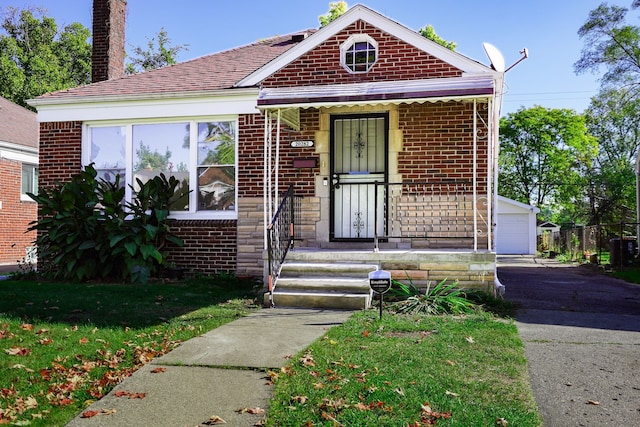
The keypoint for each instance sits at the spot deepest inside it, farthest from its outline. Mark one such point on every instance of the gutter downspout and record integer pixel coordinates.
(495, 142)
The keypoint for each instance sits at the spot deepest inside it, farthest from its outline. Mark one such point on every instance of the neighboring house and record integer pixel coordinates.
(18, 176)
(387, 139)
(546, 226)
(515, 227)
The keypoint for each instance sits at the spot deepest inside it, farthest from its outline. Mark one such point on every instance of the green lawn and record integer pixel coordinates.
(62, 346)
(408, 371)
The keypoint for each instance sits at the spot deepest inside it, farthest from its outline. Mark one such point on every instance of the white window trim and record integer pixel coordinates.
(23, 196)
(193, 155)
(357, 38)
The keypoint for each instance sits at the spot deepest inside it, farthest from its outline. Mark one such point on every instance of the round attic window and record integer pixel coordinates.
(358, 53)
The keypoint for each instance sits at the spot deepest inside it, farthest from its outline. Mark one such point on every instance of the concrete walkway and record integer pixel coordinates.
(581, 332)
(218, 373)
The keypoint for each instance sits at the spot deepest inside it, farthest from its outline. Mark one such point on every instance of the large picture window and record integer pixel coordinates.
(200, 154)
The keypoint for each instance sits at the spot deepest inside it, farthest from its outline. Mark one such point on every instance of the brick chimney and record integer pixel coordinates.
(107, 57)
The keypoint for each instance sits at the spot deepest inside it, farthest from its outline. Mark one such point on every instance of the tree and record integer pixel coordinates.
(613, 117)
(614, 114)
(36, 58)
(339, 8)
(543, 156)
(159, 53)
(430, 33)
(152, 160)
(611, 43)
(335, 10)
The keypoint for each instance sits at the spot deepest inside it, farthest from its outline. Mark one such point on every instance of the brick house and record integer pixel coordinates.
(18, 176)
(361, 142)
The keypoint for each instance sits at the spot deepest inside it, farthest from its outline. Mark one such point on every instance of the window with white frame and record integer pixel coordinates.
(29, 181)
(201, 154)
(358, 53)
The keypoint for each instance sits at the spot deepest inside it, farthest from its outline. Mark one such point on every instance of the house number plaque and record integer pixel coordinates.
(302, 143)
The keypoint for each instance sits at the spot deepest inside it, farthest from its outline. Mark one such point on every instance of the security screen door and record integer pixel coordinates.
(359, 147)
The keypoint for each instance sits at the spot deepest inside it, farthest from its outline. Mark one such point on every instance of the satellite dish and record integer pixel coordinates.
(495, 57)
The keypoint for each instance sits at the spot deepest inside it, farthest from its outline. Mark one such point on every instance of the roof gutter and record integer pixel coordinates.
(90, 99)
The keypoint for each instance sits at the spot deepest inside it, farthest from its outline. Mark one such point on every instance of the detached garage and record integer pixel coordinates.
(515, 227)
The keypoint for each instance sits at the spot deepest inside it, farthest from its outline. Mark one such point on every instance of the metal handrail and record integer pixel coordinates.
(281, 235)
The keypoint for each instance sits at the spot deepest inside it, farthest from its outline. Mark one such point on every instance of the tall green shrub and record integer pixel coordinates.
(86, 231)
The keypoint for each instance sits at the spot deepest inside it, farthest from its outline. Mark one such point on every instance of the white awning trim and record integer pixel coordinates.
(373, 93)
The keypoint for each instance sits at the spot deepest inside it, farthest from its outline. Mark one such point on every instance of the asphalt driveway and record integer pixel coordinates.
(581, 331)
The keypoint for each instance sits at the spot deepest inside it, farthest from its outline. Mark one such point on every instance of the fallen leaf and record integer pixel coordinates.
(41, 331)
(158, 370)
(429, 416)
(399, 391)
(89, 414)
(450, 393)
(214, 420)
(470, 339)
(449, 362)
(83, 340)
(502, 422)
(46, 341)
(26, 326)
(137, 395)
(307, 360)
(327, 416)
(365, 334)
(299, 399)
(64, 402)
(250, 411)
(362, 407)
(18, 351)
(593, 402)
(21, 366)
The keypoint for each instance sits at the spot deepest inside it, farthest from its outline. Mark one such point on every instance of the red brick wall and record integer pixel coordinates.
(209, 246)
(438, 143)
(15, 214)
(60, 156)
(397, 60)
(251, 155)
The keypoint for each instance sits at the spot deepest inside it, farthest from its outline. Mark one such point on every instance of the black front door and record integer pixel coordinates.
(358, 160)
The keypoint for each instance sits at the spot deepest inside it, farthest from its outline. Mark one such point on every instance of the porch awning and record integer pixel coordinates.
(385, 92)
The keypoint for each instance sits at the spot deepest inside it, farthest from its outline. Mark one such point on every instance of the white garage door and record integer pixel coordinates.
(512, 234)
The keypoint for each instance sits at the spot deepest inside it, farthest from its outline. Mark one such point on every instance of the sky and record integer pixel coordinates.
(547, 28)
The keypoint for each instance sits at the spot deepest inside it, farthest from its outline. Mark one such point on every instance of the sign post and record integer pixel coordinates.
(380, 283)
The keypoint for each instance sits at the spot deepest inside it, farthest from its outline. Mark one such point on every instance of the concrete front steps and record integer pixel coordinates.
(324, 284)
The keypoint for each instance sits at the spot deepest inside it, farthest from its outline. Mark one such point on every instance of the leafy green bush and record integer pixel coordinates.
(442, 298)
(86, 230)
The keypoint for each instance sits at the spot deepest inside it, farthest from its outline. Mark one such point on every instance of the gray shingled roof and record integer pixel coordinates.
(207, 73)
(17, 124)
